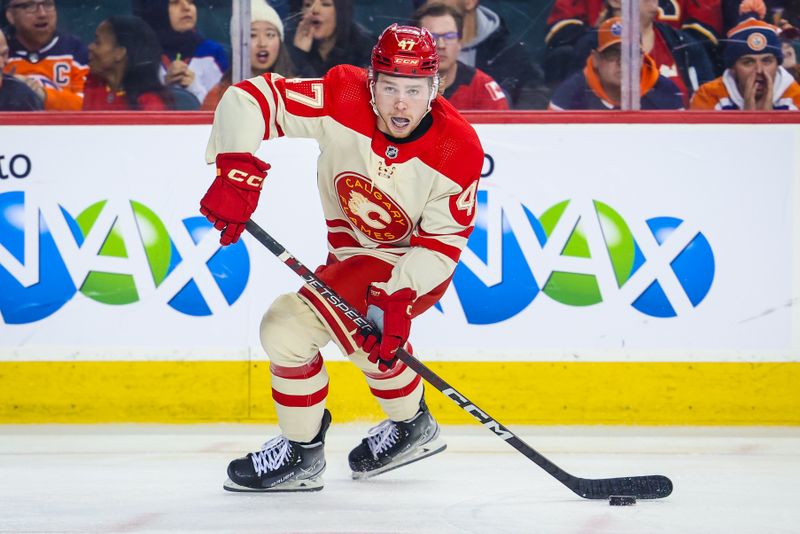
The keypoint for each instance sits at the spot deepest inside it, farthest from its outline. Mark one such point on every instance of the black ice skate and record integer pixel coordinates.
(393, 444)
(281, 465)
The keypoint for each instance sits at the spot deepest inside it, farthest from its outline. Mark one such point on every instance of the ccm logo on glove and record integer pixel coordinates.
(233, 196)
(240, 176)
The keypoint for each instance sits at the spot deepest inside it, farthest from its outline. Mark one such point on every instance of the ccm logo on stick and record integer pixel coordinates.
(240, 176)
(487, 421)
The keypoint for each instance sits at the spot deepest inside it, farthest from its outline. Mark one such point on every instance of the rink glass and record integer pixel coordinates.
(526, 21)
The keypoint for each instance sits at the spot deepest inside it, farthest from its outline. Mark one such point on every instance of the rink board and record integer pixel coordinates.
(551, 393)
(605, 282)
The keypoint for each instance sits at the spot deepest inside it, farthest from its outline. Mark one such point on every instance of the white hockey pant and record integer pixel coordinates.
(292, 334)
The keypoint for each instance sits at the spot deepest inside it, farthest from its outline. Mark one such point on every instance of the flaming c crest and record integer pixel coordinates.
(369, 210)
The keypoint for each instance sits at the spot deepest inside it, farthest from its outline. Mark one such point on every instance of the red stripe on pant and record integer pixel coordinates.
(321, 305)
(308, 370)
(300, 401)
(396, 393)
(398, 368)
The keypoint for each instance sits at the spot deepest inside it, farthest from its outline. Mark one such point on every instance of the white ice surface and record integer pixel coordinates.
(153, 478)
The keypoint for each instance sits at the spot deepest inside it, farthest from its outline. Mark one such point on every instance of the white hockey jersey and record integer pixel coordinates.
(411, 204)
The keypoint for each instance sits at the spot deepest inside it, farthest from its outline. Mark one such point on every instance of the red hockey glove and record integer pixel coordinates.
(391, 314)
(233, 196)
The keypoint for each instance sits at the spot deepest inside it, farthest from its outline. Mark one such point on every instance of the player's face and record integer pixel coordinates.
(755, 65)
(608, 65)
(104, 54)
(402, 103)
(182, 15)
(323, 17)
(265, 43)
(34, 20)
(445, 33)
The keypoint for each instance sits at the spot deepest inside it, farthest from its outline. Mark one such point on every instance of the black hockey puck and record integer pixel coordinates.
(621, 500)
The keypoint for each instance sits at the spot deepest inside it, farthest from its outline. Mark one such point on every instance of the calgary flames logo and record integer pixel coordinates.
(372, 214)
(370, 210)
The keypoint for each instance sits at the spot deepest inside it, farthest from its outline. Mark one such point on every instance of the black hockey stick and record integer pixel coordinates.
(641, 487)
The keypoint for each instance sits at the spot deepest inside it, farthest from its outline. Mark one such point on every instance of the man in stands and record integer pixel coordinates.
(754, 78)
(463, 86)
(677, 54)
(599, 85)
(52, 63)
(14, 94)
(487, 44)
(398, 173)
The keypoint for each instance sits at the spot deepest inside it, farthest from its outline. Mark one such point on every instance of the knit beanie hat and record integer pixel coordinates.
(260, 11)
(752, 35)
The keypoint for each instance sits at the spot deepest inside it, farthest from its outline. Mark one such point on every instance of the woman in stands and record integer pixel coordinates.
(124, 61)
(327, 35)
(190, 61)
(267, 51)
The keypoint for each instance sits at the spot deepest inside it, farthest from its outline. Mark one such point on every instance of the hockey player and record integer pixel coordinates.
(397, 174)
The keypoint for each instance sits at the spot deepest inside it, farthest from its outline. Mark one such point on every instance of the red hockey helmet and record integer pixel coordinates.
(405, 51)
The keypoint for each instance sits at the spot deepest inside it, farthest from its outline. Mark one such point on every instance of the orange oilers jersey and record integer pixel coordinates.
(723, 94)
(61, 66)
(410, 204)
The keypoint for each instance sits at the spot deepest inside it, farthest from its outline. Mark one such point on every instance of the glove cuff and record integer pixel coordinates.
(382, 299)
(396, 309)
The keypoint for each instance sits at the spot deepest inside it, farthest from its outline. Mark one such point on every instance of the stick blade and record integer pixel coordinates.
(641, 487)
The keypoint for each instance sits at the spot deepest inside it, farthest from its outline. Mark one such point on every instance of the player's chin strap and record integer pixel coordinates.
(372, 79)
(641, 487)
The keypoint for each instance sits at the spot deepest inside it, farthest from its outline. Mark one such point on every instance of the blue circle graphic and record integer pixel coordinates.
(230, 267)
(484, 304)
(693, 266)
(20, 304)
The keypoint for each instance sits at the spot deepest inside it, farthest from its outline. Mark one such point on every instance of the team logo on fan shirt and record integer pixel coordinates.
(495, 91)
(374, 213)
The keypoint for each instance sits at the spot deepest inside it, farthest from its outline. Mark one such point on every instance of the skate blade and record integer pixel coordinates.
(308, 484)
(434, 446)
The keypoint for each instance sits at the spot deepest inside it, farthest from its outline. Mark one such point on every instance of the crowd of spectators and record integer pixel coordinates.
(696, 54)
(599, 85)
